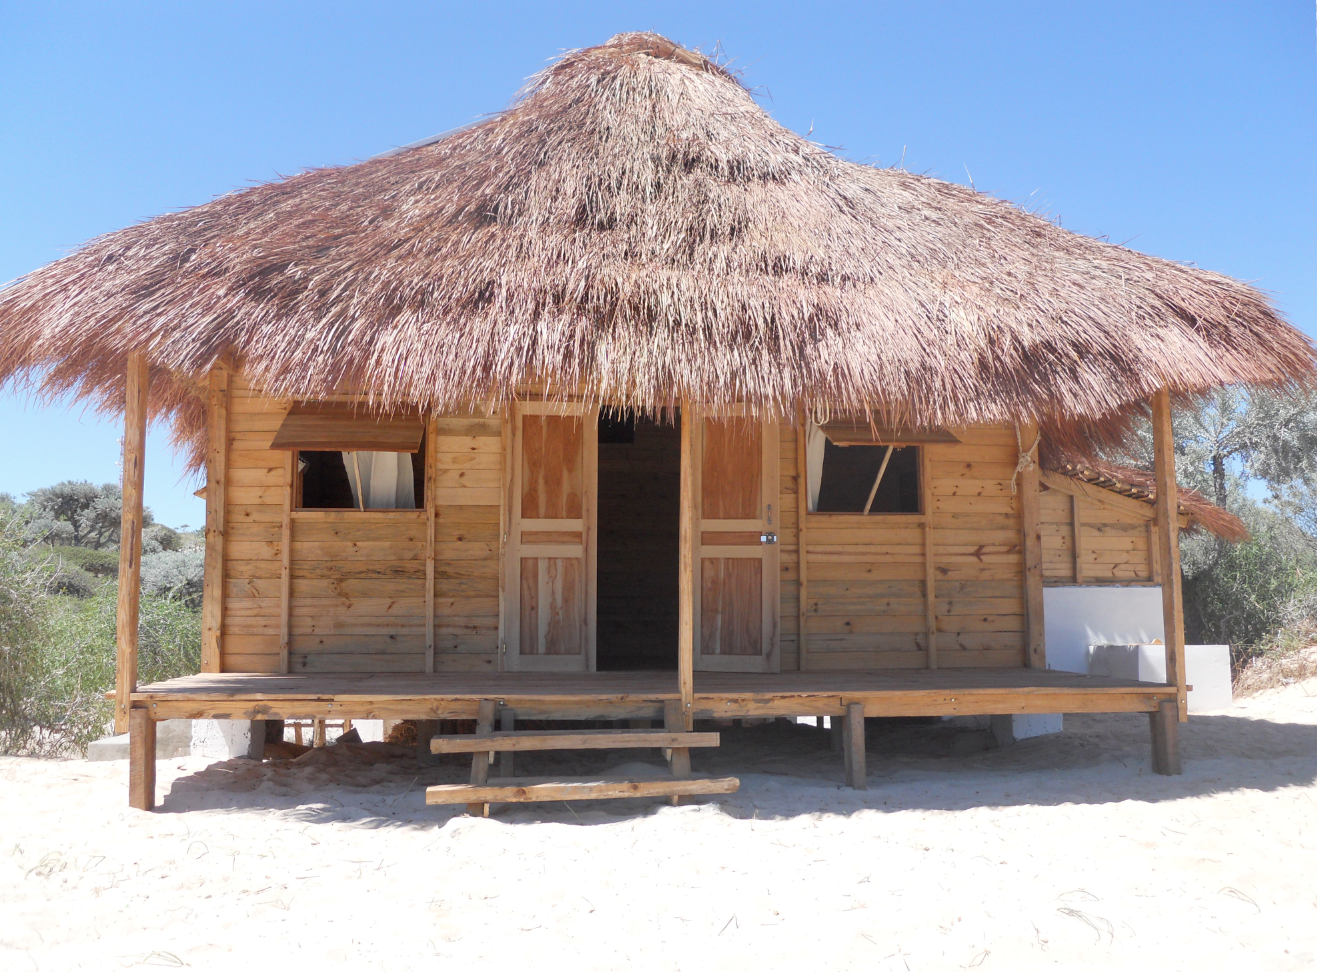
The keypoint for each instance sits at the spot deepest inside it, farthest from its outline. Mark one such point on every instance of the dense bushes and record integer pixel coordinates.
(57, 651)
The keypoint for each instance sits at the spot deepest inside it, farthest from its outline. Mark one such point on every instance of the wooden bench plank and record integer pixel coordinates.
(507, 742)
(538, 790)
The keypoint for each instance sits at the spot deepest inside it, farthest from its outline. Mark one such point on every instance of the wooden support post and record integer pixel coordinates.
(217, 474)
(480, 760)
(1165, 725)
(679, 758)
(286, 564)
(837, 733)
(431, 484)
(802, 538)
(425, 731)
(686, 570)
(507, 722)
(136, 387)
(141, 760)
(857, 777)
(318, 730)
(930, 562)
(1168, 534)
(1032, 530)
(507, 469)
(256, 737)
(1077, 529)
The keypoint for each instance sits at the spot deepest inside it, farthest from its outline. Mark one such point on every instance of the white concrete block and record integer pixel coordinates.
(173, 737)
(1037, 724)
(1206, 668)
(1007, 729)
(221, 738)
(370, 730)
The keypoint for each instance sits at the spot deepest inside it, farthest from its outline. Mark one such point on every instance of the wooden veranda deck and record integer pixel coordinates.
(620, 695)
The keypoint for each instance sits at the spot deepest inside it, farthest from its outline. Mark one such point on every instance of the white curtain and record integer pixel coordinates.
(815, 441)
(387, 478)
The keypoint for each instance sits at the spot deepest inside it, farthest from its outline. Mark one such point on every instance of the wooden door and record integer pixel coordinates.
(736, 556)
(550, 570)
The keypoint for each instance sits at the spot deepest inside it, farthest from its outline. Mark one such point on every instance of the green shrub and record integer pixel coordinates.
(57, 653)
(98, 563)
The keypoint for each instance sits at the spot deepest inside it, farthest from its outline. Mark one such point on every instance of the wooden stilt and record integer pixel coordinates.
(1165, 725)
(141, 760)
(1168, 535)
(425, 730)
(130, 537)
(679, 758)
(686, 571)
(256, 740)
(507, 722)
(480, 760)
(837, 734)
(856, 772)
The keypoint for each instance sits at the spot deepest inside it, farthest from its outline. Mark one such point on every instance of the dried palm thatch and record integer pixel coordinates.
(636, 229)
(1140, 484)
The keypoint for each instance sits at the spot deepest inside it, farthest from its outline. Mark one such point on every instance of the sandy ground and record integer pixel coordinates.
(1059, 851)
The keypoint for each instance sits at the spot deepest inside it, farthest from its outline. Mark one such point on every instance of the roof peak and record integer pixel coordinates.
(653, 45)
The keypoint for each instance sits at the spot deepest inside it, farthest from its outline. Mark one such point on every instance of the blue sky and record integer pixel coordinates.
(1187, 130)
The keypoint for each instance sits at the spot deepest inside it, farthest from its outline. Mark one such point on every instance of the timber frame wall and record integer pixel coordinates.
(309, 591)
(318, 591)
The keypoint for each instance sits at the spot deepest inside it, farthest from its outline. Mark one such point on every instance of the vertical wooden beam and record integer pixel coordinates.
(1168, 535)
(431, 512)
(930, 564)
(141, 760)
(136, 386)
(802, 538)
(679, 758)
(1165, 726)
(480, 760)
(507, 468)
(1077, 527)
(286, 563)
(217, 474)
(1032, 534)
(507, 722)
(686, 570)
(857, 775)
(1154, 562)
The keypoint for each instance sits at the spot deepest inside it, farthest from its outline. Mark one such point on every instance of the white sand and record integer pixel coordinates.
(1060, 851)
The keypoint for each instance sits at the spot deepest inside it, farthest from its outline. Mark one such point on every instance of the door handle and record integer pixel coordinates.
(768, 538)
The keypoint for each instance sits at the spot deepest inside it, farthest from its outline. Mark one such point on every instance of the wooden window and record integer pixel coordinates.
(866, 478)
(323, 481)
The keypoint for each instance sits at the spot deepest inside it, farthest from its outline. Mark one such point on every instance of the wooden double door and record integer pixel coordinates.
(549, 609)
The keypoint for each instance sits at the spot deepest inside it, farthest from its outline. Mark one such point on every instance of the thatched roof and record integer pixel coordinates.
(636, 228)
(1141, 484)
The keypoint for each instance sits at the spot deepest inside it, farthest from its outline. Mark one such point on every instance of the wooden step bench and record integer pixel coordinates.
(544, 789)
(675, 739)
(506, 742)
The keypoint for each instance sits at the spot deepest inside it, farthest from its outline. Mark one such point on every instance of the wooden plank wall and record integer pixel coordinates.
(865, 601)
(1113, 545)
(357, 595)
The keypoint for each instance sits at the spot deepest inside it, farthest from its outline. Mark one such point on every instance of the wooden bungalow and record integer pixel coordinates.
(628, 403)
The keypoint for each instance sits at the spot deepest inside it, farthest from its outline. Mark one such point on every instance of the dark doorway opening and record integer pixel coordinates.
(638, 532)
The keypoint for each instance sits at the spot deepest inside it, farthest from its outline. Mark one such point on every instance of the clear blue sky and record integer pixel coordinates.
(1186, 129)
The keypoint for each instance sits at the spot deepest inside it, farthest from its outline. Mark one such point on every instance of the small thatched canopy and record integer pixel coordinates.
(637, 228)
(1141, 485)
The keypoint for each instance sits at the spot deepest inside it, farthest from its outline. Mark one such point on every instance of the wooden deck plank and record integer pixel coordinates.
(538, 790)
(506, 742)
(456, 695)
